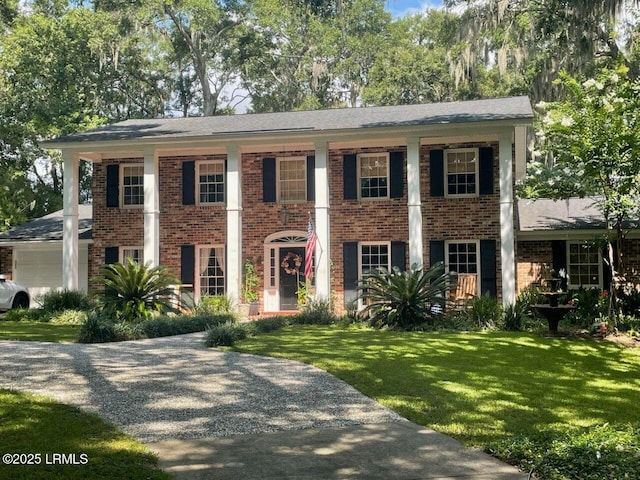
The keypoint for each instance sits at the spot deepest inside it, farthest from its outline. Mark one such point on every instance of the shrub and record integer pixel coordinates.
(225, 334)
(591, 306)
(128, 331)
(404, 299)
(97, 329)
(61, 300)
(26, 315)
(515, 316)
(213, 305)
(316, 312)
(167, 326)
(69, 317)
(134, 291)
(590, 454)
(269, 324)
(484, 312)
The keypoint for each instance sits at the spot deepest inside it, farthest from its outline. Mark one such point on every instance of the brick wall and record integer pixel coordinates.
(533, 262)
(350, 220)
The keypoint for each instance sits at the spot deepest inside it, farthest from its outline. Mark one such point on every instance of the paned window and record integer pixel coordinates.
(374, 256)
(373, 174)
(210, 182)
(584, 264)
(132, 185)
(292, 179)
(461, 172)
(462, 257)
(210, 272)
(134, 253)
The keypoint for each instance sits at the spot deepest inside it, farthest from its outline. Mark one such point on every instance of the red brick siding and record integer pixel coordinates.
(533, 262)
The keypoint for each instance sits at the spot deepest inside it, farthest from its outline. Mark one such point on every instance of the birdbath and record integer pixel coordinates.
(551, 310)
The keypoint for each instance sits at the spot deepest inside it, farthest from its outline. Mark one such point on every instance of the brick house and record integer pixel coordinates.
(384, 186)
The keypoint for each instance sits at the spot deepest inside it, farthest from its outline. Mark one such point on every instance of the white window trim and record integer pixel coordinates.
(361, 244)
(359, 157)
(129, 247)
(446, 173)
(197, 182)
(196, 267)
(571, 285)
(122, 168)
(279, 161)
(446, 260)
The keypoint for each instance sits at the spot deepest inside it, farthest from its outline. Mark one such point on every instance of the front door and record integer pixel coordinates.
(291, 274)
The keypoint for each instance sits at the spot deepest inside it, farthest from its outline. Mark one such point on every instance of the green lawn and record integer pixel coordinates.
(38, 331)
(39, 427)
(481, 388)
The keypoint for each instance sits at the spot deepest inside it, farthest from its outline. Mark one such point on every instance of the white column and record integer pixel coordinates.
(70, 218)
(151, 208)
(414, 203)
(323, 246)
(233, 183)
(507, 241)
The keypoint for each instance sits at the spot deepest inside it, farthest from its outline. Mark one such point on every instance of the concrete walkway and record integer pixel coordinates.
(223, 415)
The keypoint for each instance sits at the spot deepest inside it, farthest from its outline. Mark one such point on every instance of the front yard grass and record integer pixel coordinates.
(482, 388)
(38, 331)
(40, 428)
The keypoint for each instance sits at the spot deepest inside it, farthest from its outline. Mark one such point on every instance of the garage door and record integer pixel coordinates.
(41, 269)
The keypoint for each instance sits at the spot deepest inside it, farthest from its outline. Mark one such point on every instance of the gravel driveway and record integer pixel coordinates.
(175, 388)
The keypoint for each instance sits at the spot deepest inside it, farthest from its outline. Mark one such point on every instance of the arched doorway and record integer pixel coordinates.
(284, 269)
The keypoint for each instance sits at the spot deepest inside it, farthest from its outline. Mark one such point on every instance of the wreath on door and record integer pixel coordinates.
(291, 263)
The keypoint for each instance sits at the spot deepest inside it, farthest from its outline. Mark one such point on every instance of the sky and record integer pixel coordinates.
(398, 8)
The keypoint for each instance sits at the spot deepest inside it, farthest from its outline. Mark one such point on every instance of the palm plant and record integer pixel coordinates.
(134, 291)
(404, 299)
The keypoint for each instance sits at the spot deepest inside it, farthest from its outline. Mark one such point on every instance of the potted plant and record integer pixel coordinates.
(250, 284)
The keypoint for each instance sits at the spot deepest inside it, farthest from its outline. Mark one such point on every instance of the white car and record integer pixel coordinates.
(12, 295)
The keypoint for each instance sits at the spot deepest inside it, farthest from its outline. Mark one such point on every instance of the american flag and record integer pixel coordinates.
(309, 249)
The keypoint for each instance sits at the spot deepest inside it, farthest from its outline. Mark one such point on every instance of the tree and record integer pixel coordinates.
(589, 145)
(535, 39)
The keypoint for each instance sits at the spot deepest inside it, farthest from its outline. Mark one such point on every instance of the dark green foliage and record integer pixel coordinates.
(213, 304)
(167, 326)
(69, 317)
(515, 316)
(316, 312)
(483, 312)
(133, 292)
(405, 300)
(591, 306)
(25, 314)
(268, 324)
(128, 331)
(60, 300)
(595, 453)
(97, 329)
(225, 335)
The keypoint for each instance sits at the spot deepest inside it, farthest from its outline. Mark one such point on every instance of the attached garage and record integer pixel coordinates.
(32, 253)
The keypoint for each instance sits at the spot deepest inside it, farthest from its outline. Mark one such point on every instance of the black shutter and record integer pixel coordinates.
(111, 255)
(350, 265)
(488, 284)
(187, 265)
(436, 252)
(188, 183)
(350, 172)
(485, 168)
(436, 173)
(268, 179)
(396, 174)
(113, 183)
(399, 255)
(559, 259)
(311, 178)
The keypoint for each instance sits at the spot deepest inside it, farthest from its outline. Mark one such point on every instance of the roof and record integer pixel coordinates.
(511, 108)
(49, 227)
(550, 215)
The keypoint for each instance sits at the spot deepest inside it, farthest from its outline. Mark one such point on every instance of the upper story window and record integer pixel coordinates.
(584, 265)
(133, 253)
(461, 172)
(373, 175)
(292, 179)
(132, 185)
(210, 182)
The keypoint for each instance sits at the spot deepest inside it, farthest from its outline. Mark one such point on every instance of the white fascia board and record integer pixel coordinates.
(40, 244)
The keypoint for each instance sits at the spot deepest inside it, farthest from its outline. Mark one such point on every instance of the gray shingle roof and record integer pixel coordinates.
(571, 214)
(49, 227)
(511, 108)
